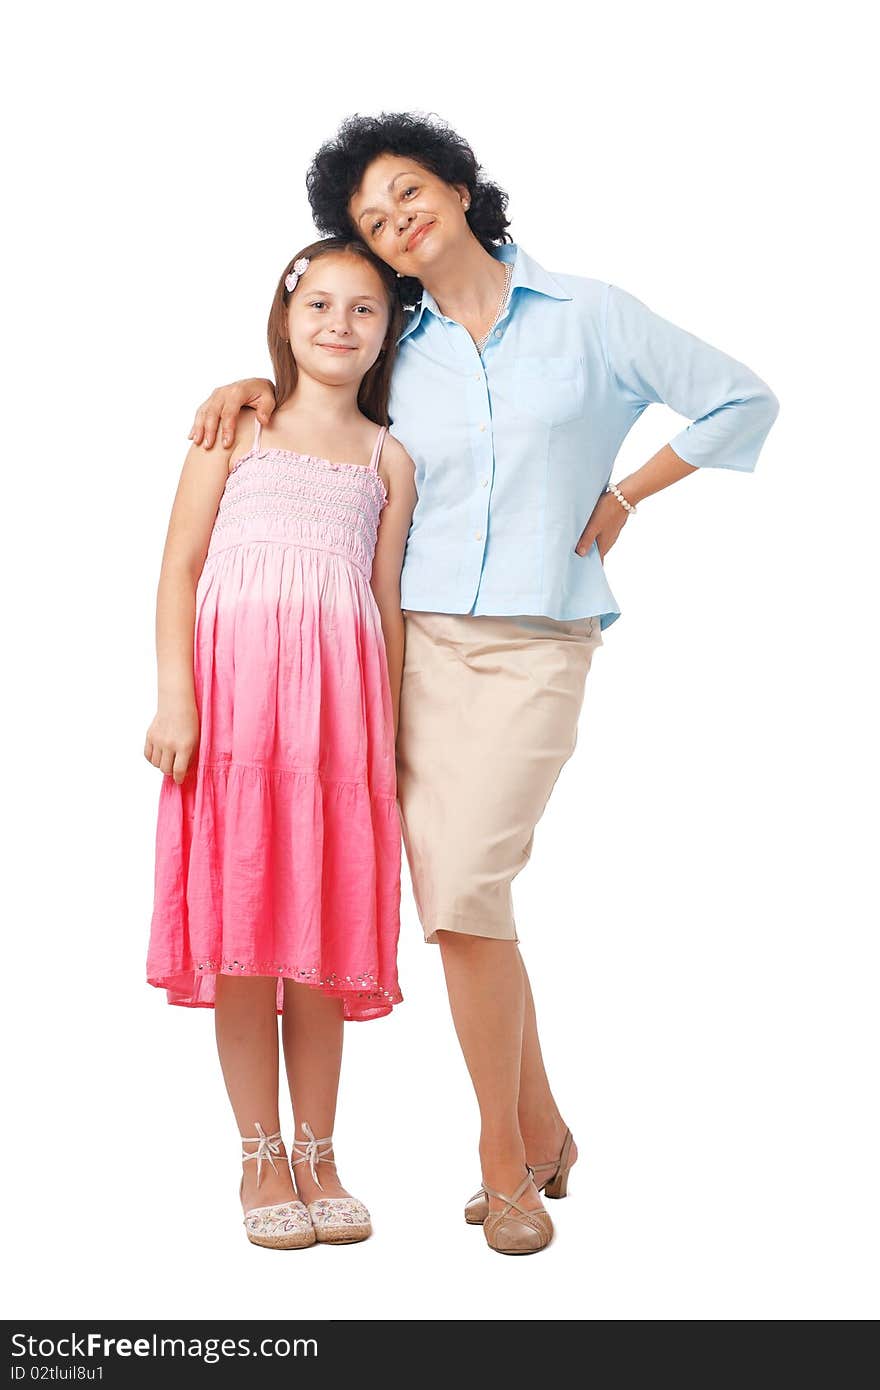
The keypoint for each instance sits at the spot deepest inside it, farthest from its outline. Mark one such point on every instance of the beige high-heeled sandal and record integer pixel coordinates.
(283, 1225)
(555, 1185)
(337, 1220)
(516, 1230)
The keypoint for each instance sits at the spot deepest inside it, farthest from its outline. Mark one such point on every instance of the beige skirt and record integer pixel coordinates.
(488, 718)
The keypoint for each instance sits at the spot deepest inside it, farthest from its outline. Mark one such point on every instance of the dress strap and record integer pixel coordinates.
(258, 430)
(377, 450)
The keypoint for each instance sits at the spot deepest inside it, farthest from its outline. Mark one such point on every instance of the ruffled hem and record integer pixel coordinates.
(194, 986)
(264, 871)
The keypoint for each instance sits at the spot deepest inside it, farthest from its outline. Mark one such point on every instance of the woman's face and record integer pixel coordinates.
(408, 216)
(337, 319)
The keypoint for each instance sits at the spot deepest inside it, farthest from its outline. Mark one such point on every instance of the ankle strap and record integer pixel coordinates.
(311, 1152)
(514, 1200)
(563, 1154)
(267, 1146)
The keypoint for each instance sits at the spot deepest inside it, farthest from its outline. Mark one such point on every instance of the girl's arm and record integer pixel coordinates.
(398, 474)
(173, 735)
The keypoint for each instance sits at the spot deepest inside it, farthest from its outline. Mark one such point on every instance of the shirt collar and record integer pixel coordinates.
(527, 275)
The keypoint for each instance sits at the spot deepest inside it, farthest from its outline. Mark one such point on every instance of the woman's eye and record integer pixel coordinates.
(407, 191)
(375, 227)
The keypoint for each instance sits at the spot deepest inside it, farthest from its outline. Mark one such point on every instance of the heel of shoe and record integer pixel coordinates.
(558, 1184)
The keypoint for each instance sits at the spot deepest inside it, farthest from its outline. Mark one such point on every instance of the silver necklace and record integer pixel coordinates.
(508, 276)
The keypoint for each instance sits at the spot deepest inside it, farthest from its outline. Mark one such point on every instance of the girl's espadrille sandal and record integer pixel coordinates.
(337, 1220)
(283, 1225)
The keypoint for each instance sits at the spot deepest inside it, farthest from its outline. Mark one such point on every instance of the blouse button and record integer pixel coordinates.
(479, 536)
(497, 332)
(482, 429)
(484, 482)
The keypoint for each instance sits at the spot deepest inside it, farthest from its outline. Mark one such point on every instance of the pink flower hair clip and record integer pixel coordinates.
(299, 268)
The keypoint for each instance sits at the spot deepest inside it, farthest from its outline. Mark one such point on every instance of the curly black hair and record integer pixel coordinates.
(337, 170)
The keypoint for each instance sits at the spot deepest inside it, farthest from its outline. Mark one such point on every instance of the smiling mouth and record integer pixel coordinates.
(418, 235)
(337, 347)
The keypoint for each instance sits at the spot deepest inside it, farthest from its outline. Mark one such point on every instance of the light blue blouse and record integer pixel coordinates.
(513, 448)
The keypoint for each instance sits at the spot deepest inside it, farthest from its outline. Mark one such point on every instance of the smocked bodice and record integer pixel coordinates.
(297, 499)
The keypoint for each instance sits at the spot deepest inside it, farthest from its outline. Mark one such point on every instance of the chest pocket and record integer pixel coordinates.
(551, 388)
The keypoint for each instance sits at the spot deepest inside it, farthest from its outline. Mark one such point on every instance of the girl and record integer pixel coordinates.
(277, 884)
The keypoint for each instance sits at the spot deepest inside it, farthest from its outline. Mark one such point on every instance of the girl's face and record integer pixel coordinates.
(337, 319)
(408, 216)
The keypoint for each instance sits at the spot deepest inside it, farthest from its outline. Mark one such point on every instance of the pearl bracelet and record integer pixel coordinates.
(613, 488)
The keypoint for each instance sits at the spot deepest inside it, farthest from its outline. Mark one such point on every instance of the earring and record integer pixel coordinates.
(400, 274)
(466, 205)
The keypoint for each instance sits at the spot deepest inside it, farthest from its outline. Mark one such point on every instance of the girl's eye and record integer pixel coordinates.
(316, 303)
(366, 308)
(375, 227)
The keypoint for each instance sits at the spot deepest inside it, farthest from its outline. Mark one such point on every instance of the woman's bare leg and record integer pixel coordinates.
(541, 1125)
(246, 1026)
(485, 981)
(312, 1028)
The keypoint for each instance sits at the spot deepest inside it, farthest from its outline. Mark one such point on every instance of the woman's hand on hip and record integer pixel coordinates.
(223, 406)
(606, 522)
(172, 738)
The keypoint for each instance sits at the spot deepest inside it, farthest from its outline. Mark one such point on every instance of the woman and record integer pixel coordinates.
(513, 392)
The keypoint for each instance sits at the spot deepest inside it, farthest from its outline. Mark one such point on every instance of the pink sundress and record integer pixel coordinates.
(279, 853)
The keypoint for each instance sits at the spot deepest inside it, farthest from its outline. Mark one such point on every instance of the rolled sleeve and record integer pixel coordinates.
(653, 361)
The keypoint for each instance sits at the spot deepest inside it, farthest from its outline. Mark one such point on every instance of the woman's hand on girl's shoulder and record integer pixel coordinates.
(242, 435)
(222, 410)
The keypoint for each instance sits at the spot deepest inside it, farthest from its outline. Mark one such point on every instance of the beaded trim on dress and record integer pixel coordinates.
(371, 988)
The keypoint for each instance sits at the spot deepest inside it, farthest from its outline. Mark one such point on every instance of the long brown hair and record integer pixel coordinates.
(376, 386)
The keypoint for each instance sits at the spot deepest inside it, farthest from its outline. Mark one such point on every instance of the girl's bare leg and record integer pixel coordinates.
(311, 1029)
(246, 1026)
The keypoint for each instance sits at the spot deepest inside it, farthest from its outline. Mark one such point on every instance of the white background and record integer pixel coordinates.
(697, 916)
